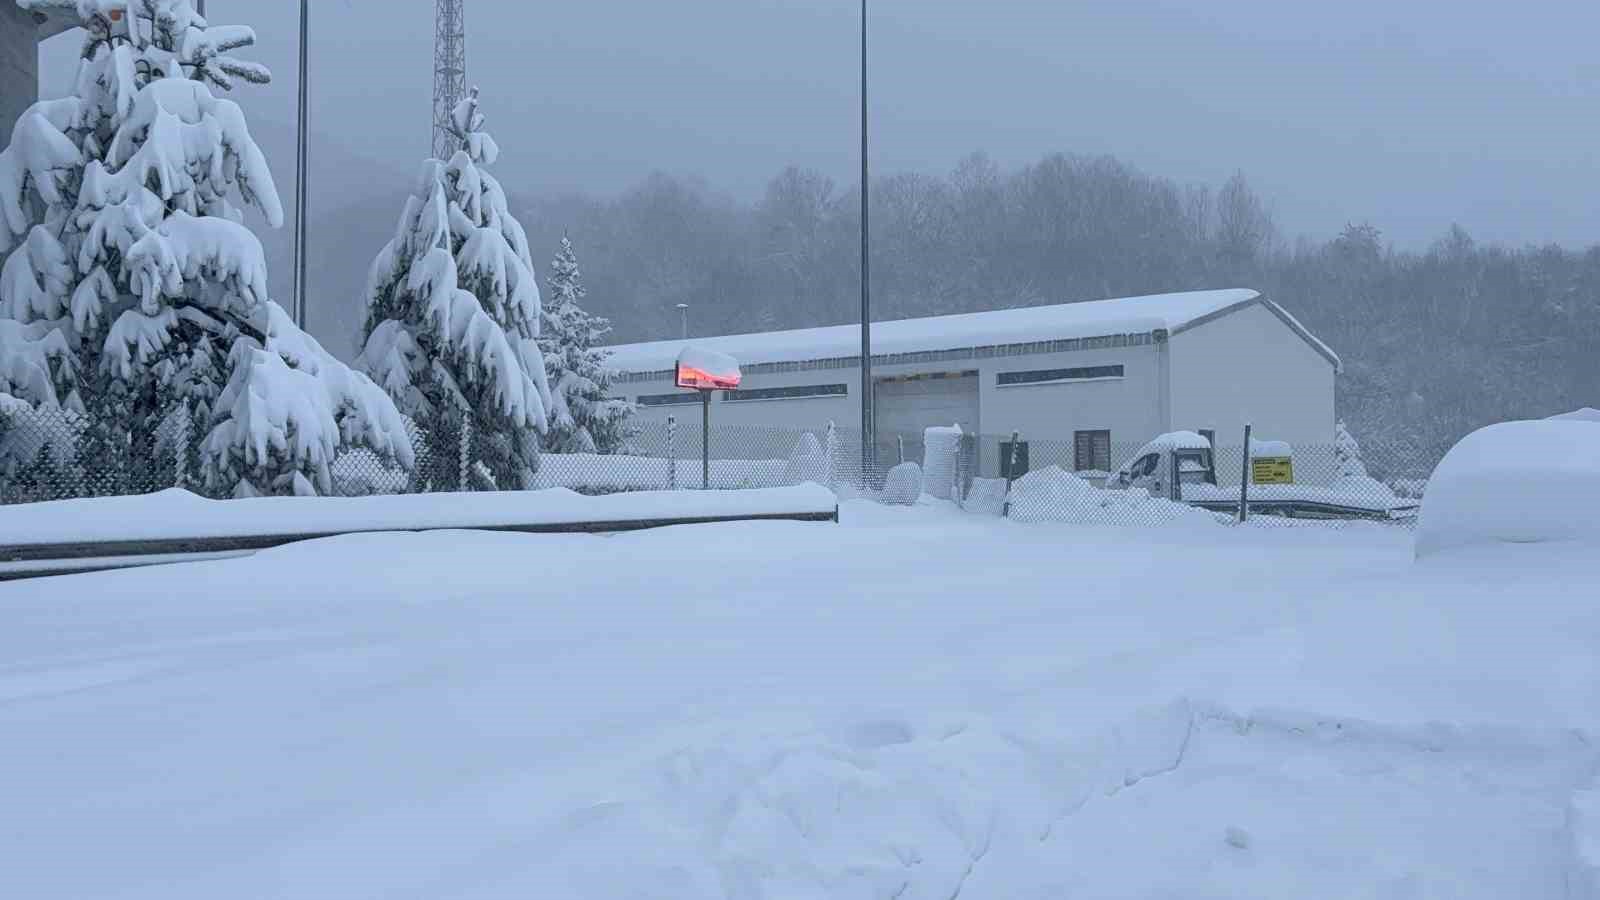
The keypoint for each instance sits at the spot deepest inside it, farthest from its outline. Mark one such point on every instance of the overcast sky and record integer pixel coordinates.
(1411, 114)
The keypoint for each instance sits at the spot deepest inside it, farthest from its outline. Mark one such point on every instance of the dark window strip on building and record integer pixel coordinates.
(1045, 376)
(793, 392)
(1069, 345)
(682, 399)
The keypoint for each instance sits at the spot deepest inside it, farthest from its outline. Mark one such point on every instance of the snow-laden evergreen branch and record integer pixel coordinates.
(123, 246)
(453, 313)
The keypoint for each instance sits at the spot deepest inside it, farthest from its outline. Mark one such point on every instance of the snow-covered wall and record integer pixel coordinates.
(1247, 365)
(1250, 367)
(1128, 407)
(805, 412)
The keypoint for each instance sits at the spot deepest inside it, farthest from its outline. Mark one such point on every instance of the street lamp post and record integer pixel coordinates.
(868, 430)
(298, 297)
(300, 178)
(683, 313)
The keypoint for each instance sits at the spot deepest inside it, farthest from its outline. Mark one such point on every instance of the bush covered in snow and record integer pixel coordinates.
(903, 485)
(1517, 482)
(986, 495)
(807, 462)
(131, 292)
(453, 314)
(1347, 452)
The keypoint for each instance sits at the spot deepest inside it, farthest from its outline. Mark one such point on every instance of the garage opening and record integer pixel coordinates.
(907, 404)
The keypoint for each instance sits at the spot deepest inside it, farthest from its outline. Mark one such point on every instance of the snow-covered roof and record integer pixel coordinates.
(1064, 321)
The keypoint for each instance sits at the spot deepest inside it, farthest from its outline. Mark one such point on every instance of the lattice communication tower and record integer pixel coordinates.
(449, 72)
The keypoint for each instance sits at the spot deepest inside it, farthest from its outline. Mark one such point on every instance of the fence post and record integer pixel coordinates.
(705, 440)
(900, 441)
(672, 453)
(1174, 488)
(464, 463)
(956, 491)
(1011, 473)
(969, 471)
(1244, 480)
(830, 445)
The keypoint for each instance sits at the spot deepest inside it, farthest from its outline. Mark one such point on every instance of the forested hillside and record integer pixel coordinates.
(1435, 342)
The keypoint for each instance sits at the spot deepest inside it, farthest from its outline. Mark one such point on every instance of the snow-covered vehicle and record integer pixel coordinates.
(1161, 466)
(1180, 466)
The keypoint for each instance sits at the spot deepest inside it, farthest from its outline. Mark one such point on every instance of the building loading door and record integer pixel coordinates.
(905, 405)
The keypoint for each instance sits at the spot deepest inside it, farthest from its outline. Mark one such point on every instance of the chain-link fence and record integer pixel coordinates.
(1186, 477)
(47, 454)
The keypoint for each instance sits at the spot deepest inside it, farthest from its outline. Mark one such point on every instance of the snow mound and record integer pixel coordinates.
(1586, 414)
(941, 445)
(1364, 487)
(987, 495)
(1514, 482)
(903, 485)
(1055, 495)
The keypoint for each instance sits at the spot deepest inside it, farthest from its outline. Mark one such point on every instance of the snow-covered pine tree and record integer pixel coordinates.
(583, 418)
(122, 244)
(1347, 452)
(452, 322)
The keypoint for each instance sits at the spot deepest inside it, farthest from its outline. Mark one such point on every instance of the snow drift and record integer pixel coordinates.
(913, 704)
(1053, 494)
(1515, 482)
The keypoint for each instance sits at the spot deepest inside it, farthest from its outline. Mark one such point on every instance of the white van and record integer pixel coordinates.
(1178, 457)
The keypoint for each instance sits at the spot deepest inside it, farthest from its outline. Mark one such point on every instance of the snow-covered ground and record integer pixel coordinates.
(917, 703)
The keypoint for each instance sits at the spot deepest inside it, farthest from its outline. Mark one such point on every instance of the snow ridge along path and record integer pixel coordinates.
(916, 704)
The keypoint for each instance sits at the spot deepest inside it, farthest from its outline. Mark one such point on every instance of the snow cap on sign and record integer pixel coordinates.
(701, 368)
(1260, 449)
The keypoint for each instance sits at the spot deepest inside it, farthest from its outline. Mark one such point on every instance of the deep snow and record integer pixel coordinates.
(1523, 482)
(916, 703)
(175, 513)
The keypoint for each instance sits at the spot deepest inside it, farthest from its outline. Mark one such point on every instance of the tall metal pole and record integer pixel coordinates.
(869, 434)
(300, 177)
(683, 313)
(705, 440)
(1244, 478)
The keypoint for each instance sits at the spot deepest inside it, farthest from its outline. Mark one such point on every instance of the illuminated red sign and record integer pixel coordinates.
(706, 370)
(690, 377)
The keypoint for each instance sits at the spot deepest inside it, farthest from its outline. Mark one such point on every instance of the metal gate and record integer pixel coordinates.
(905, 405)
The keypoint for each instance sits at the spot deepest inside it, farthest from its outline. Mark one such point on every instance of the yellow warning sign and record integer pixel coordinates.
(1272, 470)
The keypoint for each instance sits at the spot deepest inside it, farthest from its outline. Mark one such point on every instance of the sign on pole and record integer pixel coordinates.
(1272, 470)
(706, 371)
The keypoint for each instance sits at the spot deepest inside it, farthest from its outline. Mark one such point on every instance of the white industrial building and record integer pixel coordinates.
(1089, 379)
